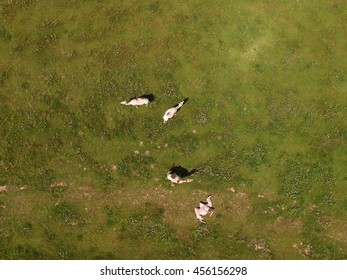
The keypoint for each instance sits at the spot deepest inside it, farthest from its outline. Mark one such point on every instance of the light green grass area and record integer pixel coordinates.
(266, 119)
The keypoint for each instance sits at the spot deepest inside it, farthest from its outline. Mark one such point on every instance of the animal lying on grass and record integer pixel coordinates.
(170, 113)
(138, 101)
(204, 209)
(177, 174)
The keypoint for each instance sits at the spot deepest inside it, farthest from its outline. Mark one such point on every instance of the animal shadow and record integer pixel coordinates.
(185, 101)
(181, 171)
(149, 96)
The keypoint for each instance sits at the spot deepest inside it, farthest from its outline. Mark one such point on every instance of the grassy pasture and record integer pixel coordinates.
(266, 119)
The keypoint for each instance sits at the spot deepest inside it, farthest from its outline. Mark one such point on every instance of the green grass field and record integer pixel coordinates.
(266, 118)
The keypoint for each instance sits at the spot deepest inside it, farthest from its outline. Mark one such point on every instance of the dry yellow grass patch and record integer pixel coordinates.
(285, 225)
(338, 231)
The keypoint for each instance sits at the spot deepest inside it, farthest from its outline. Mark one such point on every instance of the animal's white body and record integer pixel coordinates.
(174, 178)
(172, 111)
(204, 209)
(137, 101)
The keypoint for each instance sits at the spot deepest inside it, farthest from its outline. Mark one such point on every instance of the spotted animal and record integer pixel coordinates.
(177, 174)
(204, 209)
(137, 101)
(170, 113)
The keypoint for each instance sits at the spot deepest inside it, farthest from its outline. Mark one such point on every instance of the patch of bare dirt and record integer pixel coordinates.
(338, 231)
(58, 184)
(284, 225)
(304, 249)
(241, 205)
(260, 245)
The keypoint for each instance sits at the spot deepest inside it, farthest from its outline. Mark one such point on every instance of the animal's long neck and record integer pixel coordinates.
(180, 104)
(209, 202)
(192, 171)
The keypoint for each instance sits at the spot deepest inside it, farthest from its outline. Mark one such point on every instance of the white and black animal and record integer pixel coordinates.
(170, 113)
(204, 209)
(177, 174)
(174, 178)
(137, 101)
